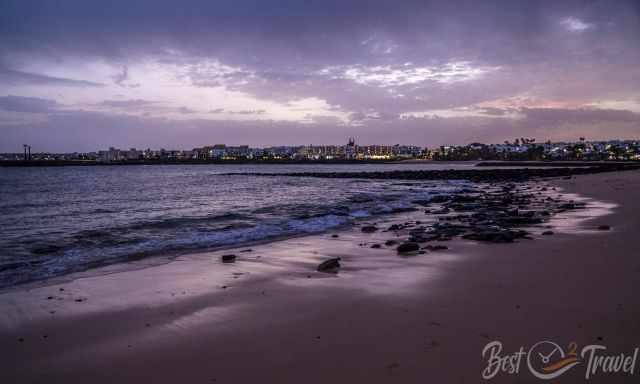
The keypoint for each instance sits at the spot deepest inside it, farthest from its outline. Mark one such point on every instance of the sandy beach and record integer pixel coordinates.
(270, 317)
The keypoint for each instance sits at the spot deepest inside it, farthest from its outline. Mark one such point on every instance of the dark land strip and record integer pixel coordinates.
(476, 175)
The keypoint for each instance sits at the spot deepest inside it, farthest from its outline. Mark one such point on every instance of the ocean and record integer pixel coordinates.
(58, 220)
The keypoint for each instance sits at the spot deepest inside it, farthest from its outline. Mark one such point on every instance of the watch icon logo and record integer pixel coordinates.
(547, 360)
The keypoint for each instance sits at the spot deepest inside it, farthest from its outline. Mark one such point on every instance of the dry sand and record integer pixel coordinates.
(271, 318)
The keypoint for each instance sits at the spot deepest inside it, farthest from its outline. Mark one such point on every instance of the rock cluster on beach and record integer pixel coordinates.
(494, 213)
(485, 212)
(501, 206)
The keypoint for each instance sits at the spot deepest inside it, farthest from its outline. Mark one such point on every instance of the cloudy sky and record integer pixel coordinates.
(81, 75)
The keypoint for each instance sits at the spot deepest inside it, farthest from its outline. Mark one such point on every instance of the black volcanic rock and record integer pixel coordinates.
(369, 228)
(496, 236)
(329, 266)
(408, 247)
(228, 258)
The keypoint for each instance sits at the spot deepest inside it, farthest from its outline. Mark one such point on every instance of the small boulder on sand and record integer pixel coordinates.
(369, 228)
(228, 258)
(329, 266)
(408, 247)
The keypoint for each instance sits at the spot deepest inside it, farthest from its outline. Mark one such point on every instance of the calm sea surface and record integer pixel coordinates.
(58, 220)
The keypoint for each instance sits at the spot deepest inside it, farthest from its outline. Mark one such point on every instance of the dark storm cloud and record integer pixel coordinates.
(27, 104)
(122, 78)
(270, 34)
(137, 103)
(19, 78)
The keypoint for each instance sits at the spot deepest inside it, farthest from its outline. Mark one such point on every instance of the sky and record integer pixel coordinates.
(84, 75)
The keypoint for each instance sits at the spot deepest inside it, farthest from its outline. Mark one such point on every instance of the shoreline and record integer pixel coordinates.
(381, 318)
(149, 259)
(133, 263)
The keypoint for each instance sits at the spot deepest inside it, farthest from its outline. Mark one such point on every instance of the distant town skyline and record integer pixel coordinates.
(517, 149)
(518, 141)
(82, 75)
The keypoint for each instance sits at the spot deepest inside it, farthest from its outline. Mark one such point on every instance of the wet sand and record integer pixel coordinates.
(270, 317)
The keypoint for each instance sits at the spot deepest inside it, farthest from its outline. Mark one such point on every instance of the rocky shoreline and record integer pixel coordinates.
(475, 175)
(495, 214)
(485, 212)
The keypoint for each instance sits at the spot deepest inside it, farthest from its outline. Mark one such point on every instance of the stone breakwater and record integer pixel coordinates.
(475, 175)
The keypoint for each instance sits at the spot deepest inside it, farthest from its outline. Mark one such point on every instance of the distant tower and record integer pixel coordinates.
(25, 151)
(350, 149)
(29, 152)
